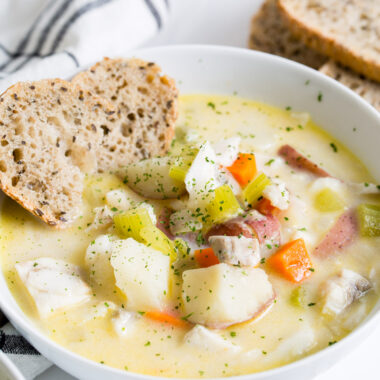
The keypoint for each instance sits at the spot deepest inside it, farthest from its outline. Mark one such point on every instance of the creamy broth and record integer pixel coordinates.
(286, 332)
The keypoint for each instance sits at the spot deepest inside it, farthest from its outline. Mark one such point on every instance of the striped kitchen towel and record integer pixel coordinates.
(51, 38)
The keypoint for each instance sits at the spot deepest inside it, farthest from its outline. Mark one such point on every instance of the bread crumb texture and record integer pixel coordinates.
(146, 110)
(50, 130)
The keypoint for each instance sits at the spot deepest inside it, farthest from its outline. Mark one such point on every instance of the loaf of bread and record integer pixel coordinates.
(348, 31)
(146, 109)
(50, 131)
(270, 34)
(366, 88)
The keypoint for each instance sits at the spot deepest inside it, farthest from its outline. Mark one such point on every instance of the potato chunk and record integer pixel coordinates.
(142, 273)
(222, 295)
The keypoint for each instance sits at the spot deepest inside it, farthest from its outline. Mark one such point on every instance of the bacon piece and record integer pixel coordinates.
(163, 222)
(234, 227)
(298, 161)
(267, 228)
(342, 234)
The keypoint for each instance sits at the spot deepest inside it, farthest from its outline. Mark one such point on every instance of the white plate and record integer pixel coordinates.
(274, 80)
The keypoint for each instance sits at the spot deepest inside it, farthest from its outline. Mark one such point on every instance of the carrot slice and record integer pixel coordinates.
(169, 319)
(292, 261)
(206, 257)
(244, 168)
(264, 206)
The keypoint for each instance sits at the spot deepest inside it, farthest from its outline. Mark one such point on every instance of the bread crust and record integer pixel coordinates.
(322, 41)
(269, 33)
(366, 88)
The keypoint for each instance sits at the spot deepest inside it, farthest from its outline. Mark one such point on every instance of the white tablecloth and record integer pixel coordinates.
(226, 22)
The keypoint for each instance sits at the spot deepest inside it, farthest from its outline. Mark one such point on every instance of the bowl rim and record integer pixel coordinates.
(26, 323)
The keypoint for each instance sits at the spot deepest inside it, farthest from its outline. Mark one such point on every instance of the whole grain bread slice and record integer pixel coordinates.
(347, 31)
(146, 104)
(49, 131)
(270, 34)
(368, 89)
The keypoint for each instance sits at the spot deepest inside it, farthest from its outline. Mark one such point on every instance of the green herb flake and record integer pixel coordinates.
(334, 147)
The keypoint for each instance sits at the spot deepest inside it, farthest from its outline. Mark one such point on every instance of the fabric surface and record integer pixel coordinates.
(52, 38)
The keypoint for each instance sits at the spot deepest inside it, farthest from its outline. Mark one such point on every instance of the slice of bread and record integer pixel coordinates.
(49, 131)
(366, 88)
(146, 104)
(269, 33)
(347, 31)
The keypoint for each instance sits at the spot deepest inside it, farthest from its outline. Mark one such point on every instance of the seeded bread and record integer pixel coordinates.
(269, 33)
(366, 88)
(146, 104)
(49, 131)
(347, 31)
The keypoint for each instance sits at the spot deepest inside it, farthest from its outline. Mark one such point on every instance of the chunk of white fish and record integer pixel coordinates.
(342, 290)
(202, 337)
(227, 151)
(278, 195)
(295, 345)
(97, 259)
(201, 178)
(53, 284)
(124, 322)
(184, 221)
(236, 250)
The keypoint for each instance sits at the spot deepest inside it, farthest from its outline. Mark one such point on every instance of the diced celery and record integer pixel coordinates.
(182, 247)
(297, 297)
(130, 223)
(183, 162)
(153, 237)
(254, 190)
(328, 200)
(178, 173)
(223, 206)
(369, 220)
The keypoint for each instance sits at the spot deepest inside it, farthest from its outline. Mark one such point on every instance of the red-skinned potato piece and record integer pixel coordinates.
(163, 222)
(298, 161)
(234, 227)
(341, 235)
(267, 229)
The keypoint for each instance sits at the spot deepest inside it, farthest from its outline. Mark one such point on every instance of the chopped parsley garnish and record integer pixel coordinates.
(320, 96)
(333, 342)
(233, 333)
(334, 147)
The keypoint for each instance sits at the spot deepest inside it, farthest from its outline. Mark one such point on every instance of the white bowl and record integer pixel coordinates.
(8, 370)
(274, 80)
